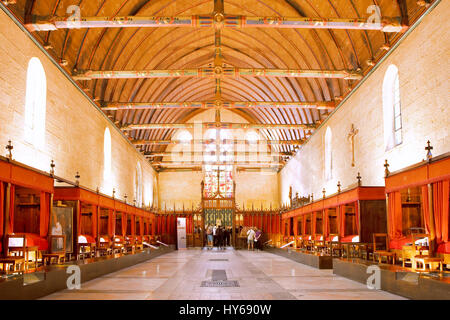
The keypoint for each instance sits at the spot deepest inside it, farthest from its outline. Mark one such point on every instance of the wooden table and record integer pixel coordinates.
(26, 252)
(356, 247)
(14, 261)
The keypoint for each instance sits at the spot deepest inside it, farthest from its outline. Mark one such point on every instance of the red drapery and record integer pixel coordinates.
(111, 222)
(426, 208)
(11, 209)
(2, 194)
(314, 215)
(141, 226)
(341, 216)
(94, 218)
(44, 214)
(78, 218)
(124, 224)
(133, 225)
(326, 227)
(395, 215)
(441, 210)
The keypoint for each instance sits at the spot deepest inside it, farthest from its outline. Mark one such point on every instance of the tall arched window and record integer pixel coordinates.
(392, 115)
(35, 103)
(138, 185)
(107, 156)
(328, 155)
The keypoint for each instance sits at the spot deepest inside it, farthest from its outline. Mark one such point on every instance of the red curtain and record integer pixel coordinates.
(111, 222)
(94, 218)
(304, 224)
(133, 225)
(395, 215)
(314, 215)
(78, 218)
(124, 224)
(11, 209)
(245, 220)
(2, 194)
(341, 217)
(441, 210)
(325, 223)
(44, 215)
(141, 226)
(357, 216)
(426, 208)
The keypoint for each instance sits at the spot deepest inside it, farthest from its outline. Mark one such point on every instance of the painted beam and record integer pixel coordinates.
(213, 141)
(213, 153)
(53, 23)
(221, 125)
(217, 72)
(114, 106)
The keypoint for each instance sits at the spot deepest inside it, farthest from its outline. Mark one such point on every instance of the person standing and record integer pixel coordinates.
(258, 239)
(209, 235)
(220, 237)
(214, 230)
(250, 238)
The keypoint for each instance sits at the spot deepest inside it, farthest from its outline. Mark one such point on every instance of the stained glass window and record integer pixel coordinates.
(218, 174)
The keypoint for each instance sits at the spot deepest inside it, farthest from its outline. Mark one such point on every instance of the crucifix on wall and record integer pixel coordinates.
(351, 137)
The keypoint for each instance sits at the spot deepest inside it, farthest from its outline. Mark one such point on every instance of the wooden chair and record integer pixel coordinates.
(16, 258)
(118, 245)
(319, 244)
(55, 251)
(423, 259)
(104, 246)
(334, 245)
(384, 252)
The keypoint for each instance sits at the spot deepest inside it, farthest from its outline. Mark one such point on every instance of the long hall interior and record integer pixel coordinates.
(224, 150)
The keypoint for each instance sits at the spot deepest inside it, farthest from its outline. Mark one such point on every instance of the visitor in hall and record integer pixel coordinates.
(220, 237)
(214, 232)
(258, 239)
(209, 235)
(250, 237)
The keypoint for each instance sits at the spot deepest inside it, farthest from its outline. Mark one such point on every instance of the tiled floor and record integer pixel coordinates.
(261, 275)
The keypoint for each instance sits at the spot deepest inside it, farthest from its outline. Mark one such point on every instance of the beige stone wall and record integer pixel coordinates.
(74, 127)
(423, 63)
(183, 188)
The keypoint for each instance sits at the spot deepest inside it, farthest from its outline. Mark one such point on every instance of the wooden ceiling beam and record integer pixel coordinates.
(320, 105)
(213, 141)
(217, 72)
(52, 23)
(220, 125)
(213, 153)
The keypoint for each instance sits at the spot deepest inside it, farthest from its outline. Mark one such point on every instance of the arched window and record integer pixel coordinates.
(138, 185)
(328, 155)
(107, 155)
(35, 103)
(392, 115)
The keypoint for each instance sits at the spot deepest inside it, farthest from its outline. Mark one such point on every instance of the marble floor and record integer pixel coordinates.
(260, 275)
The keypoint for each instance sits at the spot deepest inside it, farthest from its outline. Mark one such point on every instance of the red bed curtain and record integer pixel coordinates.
(2, 195)
(341, 217)
(395, 214)
(94, 218)
(124, 224)
(11, 209)
(314, 223)
(44, 214)
(426, 208)
(111, 222)
(357, 216)
(441, 210)
(141, 226)
(325, 223)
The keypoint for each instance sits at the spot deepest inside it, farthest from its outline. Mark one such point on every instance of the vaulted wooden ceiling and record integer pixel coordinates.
(143, 48)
